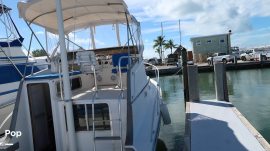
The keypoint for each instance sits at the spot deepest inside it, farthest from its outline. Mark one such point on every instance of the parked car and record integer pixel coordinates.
(220, 57)
(254, 54)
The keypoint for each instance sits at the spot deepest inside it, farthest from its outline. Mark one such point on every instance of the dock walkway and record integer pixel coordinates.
(218, 126)
(204, 67)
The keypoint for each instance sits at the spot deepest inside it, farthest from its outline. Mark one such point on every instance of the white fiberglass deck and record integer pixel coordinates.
(219, 126)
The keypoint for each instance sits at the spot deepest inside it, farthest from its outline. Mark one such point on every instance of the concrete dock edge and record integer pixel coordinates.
(252, 130)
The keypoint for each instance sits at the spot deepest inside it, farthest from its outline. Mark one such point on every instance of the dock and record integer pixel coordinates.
(204, 67)
(218, 126)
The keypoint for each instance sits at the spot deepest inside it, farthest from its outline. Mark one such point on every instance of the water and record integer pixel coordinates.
(249, 91)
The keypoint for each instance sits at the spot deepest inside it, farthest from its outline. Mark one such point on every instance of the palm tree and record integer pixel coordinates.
(158, 50)
(158, 45)
(170, 45)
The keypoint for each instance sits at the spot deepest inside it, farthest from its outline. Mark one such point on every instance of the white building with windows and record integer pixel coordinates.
(207, 45)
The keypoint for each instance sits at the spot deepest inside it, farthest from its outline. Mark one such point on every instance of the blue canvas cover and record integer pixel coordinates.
(123, 63)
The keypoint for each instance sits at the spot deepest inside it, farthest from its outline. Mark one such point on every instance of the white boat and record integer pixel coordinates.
(109, 105)
(14, 61)
(14, 64)
(12, 58)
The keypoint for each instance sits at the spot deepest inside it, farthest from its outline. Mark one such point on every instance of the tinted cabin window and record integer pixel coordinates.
(75, 83)
(102, 117)
(79, 117)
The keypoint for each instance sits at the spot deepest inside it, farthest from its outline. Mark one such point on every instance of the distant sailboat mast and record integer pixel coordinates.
(162, 54)
(180, 33)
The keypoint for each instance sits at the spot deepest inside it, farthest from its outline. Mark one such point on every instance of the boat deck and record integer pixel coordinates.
(219, 126)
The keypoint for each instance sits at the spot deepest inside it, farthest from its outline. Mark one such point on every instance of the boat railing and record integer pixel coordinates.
(34, 64)
(156, 71)
(158, 86)
(120, 70)
(158, 92)
(10, 60)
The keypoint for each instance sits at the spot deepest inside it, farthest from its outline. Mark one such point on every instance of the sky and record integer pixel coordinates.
(248, 20)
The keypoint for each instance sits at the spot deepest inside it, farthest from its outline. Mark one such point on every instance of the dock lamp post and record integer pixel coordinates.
(229, 41)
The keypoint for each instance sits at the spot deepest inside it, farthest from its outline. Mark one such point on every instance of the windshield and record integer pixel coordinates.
(222, 54)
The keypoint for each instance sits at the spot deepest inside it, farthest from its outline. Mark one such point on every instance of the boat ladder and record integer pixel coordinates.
(111, 137)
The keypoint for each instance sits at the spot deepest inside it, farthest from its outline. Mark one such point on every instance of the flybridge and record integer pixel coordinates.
(4, 9)
(16, 41)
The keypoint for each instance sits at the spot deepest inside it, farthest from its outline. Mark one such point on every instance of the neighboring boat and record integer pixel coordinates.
(110, 104)
(14, 62)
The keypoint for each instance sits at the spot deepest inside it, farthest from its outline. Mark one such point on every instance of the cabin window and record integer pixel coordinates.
(79, 117)
(198, 43)
(83, 117)
(222, 41)
(102, 116)
(75, 83)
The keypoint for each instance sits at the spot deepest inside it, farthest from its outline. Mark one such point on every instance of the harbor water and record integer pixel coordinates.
(249, 91)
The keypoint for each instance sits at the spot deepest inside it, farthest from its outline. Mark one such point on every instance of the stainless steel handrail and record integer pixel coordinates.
(119, 68)
(156, 71)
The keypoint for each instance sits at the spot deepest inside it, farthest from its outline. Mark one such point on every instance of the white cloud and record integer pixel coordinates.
(253, 38)
(169, 28)
(39, 33)
(84, 42)
(204, 17)
(52, 36)
(149, 52)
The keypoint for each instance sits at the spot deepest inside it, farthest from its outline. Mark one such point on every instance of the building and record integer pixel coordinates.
(205, 46)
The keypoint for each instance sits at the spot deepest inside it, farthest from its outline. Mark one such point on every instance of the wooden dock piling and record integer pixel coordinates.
(193, 83)
(221, 82)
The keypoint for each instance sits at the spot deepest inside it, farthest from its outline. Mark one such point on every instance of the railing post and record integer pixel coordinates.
(193, 83)
(184, 71)
(221, 82)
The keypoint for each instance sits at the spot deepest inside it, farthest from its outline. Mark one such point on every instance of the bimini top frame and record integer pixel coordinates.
(77, 14)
